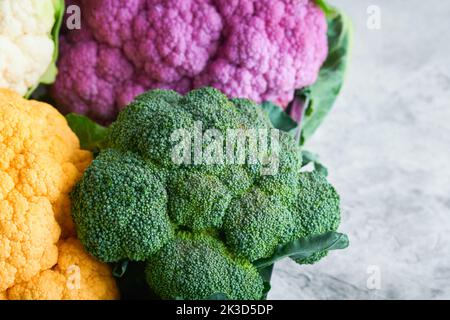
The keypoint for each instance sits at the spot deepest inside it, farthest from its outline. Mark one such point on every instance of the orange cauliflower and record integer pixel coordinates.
(40, 161)
(76, 276)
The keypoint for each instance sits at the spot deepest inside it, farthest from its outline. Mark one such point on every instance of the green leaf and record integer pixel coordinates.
(91, 134)
(130, 279)
(309, 157)
(266, 289)
(120, 268)
(280, 119)
(325, 7)
(50, 74)
(303, 248)
(266, 275)
(324, 91)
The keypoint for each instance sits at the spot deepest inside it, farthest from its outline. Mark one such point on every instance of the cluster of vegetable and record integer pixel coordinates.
(206, 229)
(262, 50)
(257, 49)
(148, 68)
(40, 161)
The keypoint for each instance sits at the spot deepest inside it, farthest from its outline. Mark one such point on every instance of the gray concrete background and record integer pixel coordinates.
(387, 146)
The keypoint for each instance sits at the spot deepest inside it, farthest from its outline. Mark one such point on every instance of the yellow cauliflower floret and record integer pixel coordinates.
(40, 161)
(77, 276)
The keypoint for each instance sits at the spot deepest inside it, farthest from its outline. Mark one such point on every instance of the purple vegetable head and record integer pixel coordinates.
(257, 49)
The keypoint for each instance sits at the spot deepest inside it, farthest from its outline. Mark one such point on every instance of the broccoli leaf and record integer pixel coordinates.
(280, 119)
(309, 157)
(305, 247)
(90, 133)
(266, 275)
(312, 104)
(130, 278)
(323, 93)
(120, 268)
(50, 75)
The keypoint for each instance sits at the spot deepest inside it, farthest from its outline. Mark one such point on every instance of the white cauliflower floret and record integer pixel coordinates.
(26, 44)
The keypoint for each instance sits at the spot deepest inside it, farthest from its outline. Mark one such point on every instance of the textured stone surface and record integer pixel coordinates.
(387, 145)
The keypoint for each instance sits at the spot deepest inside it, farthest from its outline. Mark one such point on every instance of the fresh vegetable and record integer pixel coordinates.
(201, 265)
(202, 228)
(29, 31)
(76, 276)
(40, 161)
(258, 49)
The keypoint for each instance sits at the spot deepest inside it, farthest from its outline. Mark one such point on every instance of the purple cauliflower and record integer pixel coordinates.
(257, 49)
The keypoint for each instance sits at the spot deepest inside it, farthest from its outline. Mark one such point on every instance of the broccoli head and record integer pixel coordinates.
(256, 223)
(199, 225)
(316, 210)
(200, 207)
(120, 207)
(197, 266)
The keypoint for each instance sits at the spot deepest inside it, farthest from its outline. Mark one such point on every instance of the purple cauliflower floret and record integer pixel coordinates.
(257, 49)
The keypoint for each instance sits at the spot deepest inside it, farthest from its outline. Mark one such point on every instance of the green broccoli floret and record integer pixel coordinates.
(197, 200)
(200, 226)
(284, 182)
(236, 178)
(251, 114)
(256, 224)
(147, 124)
(212, 108)
(119, 208)
(158, 96)
(197, 266)
(316, 209)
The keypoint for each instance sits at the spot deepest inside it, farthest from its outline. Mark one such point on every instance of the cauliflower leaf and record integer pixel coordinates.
(315, 102)
(50, 74)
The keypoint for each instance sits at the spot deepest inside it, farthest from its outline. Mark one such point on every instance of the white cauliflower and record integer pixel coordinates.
(27, 42)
